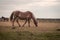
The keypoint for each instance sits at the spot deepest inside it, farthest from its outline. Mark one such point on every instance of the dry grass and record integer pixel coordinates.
(44, 31)
(42, 26)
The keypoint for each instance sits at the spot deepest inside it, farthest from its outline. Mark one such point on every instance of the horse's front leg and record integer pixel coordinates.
(29, 23)
(24, 23)
(18, 23)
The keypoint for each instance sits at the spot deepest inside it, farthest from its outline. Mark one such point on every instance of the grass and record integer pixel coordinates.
(25, 35)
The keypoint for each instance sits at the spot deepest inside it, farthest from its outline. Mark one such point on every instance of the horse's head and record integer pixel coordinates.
(2, 17)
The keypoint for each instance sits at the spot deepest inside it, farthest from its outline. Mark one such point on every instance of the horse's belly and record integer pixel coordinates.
(22, 18)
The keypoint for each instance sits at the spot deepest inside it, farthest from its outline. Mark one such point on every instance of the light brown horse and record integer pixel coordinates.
(27, 16)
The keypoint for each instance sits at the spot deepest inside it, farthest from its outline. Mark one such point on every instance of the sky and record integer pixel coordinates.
(40, 8)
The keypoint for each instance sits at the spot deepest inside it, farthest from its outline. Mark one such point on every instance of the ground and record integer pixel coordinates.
(44, 31)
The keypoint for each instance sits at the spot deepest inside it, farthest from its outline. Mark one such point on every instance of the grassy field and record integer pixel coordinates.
(44, 31)
(25, 35)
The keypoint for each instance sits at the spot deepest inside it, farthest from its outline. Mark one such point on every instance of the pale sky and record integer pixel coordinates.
(40, 8)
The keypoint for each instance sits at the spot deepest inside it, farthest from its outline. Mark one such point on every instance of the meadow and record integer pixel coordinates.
(45, 31)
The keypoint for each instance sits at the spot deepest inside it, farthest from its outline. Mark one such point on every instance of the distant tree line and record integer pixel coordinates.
(39, 19)
(48, 20)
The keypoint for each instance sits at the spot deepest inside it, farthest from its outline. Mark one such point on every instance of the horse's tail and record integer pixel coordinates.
(35, 20)
(11, 17)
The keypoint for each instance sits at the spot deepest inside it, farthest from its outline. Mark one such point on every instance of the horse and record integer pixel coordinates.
(27, 16)
(4, 18)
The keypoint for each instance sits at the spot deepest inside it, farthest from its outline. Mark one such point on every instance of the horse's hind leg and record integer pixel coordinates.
(18, 23)
(13, 21)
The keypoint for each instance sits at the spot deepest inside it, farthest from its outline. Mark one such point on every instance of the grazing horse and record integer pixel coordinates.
(27, 16)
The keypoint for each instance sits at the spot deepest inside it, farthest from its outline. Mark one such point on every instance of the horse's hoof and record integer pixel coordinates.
(13, 27)
(22, 26)
(19, 26)
(36, 26)
(29, 26)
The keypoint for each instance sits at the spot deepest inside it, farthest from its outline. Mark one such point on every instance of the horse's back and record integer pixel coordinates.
(22, 14)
